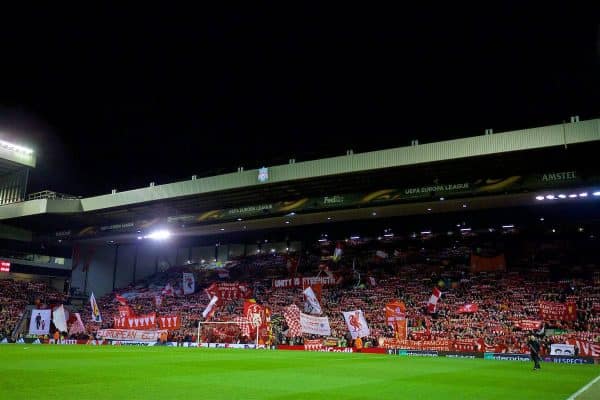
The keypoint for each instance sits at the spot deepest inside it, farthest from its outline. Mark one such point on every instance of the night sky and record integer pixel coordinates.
(119, 98)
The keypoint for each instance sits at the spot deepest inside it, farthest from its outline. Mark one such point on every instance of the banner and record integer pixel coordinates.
(468, 308)
(311, 304)
(357, 324)
(40, 322)
(313, 344)
(550, 310)
(562, 349)
(395, 311)
(229, 291)
(140, 322)
(59, 319)
(304, 282)
(170, 322)
(528, 325)
(130, 334)
(488, 264)
(189, 283)
(292, 317)
(586, 349)
(96, 317)
(125, 311)
(315, 325)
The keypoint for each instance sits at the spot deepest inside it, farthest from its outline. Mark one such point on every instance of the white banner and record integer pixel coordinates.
(189, 283)
(357, 324)
(40, 322)
(315, 325)
(561, 349)
(311, 305)
(130, 334)
(59, 318)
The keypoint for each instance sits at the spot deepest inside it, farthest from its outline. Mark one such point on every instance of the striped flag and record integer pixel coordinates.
(432, 303)
(122, 300)
(96, 317)
(210, 308)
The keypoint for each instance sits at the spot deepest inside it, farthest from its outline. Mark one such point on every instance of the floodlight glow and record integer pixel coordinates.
(162, 234)
(539, 197)
(354, 237)
(465, 229)
(15, 147)
(572, 196)
(322, 240)
(584, 194)
(596, 193)
(508, 226)
(388, 235)
(426, 233)
(550, 197)
(562, 196)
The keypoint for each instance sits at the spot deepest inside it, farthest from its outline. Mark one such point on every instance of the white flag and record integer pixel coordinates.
(311, 305)
(77, 326)
(189, 283)
(59, 318)
(209, 308)
(357, 324)
(40, 322)
(96, 317)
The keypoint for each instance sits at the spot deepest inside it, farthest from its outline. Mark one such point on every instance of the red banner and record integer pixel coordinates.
(169, 322)
(313, 344)
(141, 322)
(528, 325)
(229, 291)
(550, 310)
(125, 311)
(468, 308)
(586, 349)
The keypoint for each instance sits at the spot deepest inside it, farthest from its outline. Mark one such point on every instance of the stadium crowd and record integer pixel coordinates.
(365, 281)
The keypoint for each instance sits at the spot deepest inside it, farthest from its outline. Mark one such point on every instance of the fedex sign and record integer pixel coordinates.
(4, 266)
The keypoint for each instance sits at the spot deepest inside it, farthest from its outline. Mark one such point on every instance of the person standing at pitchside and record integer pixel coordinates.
(534, 350)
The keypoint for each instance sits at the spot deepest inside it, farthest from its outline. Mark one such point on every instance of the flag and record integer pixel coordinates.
(432, 303)
(168, 290)
(77, 326)
(210, 308)
(40, 322)
(292, 317)
(468, 308)
(96, 317)
(122, 300)
(357, 324)
(243, 324)
(337, 253)
(254, 313)
(189, 283)
(311, 304)
(59, 318)
(381, 255)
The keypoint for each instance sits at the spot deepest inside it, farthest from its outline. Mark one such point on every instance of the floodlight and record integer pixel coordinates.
(161, 234)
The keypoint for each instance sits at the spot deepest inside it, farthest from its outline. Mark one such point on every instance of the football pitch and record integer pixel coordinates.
(105, 372)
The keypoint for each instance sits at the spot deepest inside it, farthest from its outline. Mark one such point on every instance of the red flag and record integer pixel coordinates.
(432, 303)
(122, 300)
(468, 308)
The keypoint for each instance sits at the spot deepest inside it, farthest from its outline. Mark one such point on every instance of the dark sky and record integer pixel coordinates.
(119, 98)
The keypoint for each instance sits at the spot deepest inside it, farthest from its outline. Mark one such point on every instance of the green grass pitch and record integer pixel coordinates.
(105, 372)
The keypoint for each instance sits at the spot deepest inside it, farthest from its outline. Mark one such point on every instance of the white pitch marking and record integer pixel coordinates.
(583, 389)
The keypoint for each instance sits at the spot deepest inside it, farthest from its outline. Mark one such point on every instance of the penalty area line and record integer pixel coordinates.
(583, 389)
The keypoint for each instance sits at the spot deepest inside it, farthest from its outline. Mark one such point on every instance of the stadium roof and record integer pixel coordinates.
(14, 157)
(488, 155)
